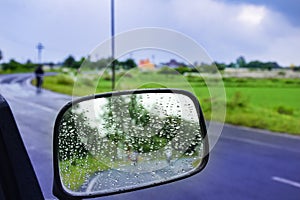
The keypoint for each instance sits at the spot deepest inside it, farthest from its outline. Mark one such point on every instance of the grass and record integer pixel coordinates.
(75, 172)
(271, 103)
(269, 97)
(263, 118)
(259, 82)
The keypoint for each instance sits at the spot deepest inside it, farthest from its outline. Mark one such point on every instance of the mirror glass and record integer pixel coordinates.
(123, 142)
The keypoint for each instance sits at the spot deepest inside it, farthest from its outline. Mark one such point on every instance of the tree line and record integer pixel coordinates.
(71, 62)
(241, 63)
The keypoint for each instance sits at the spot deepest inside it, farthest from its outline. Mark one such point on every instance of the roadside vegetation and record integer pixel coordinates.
(271, 103)
(15, 67)
(266, 103)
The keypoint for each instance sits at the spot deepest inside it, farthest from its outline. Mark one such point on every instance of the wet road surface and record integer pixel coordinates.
(245, 163)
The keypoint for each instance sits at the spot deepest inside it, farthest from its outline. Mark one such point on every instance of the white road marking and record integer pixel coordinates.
(266, 132)
(92, 184)
(249, 141)
(286, 181)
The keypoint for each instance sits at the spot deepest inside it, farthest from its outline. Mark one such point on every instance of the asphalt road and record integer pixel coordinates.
(136, 175)
(245, 163)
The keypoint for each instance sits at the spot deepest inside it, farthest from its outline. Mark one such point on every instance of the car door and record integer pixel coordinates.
(17, 177)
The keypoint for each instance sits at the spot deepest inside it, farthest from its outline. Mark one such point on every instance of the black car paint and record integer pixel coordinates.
(17, 178)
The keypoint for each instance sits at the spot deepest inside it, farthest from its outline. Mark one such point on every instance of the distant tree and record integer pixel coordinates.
(102, 63)
(241, 62)
(221, 66)
(77, 64)
(271, 65)
(11, 65)
(127, 64)
(70, 62)
(99, 64)
(261, 65)
(231, 65)
(28, 61)
(184, 69)
(51, 64)
(1, 55)
(296, 68)
(207, 68)
(29, 65)
(254, 64)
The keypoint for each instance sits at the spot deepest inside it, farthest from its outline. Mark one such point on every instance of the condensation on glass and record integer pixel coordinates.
(128, 141)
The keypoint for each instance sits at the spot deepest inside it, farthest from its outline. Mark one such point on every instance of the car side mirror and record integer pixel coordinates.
(123, 141)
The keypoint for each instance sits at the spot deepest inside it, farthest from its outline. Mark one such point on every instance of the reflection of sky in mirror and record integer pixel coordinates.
(160, 104)
(154, 141)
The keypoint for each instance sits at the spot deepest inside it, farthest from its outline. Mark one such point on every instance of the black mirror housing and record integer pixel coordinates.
(140, 138)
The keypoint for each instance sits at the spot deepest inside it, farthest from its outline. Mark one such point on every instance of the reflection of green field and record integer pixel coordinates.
(75, 172)
(262, 103)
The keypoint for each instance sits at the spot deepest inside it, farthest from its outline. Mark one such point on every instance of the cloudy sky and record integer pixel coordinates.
(256, 29)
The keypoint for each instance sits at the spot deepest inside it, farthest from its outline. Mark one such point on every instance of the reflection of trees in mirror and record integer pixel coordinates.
(133, 128)
(73, 128)
(76, 162)
(130, 125)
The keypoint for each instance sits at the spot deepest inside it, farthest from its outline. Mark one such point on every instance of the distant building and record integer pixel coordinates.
(174, 64)
(146, 65)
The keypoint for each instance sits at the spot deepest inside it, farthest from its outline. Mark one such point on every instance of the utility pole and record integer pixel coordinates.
(1, 56)
(113, 44)
(40, 47)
